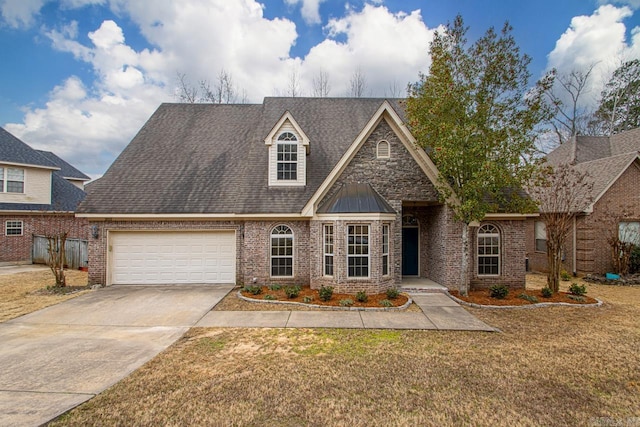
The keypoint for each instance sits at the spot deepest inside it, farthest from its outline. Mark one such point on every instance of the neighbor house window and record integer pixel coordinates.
(11, 180)
(358, 251)
(488, 250)
(385, 249)
(287, 157)
(629, 232)
(13, 228)
(384, 150)
(541, 236)
(328, 250)
(282, 251)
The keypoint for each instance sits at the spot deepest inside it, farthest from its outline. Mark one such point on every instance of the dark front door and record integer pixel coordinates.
(410, 251)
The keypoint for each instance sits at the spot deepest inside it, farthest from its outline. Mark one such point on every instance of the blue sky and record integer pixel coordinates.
(80, 77)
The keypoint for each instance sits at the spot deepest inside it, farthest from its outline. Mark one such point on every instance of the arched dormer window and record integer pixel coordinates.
(488, 250)
(383, 150)
(281, 251)
(287, 157)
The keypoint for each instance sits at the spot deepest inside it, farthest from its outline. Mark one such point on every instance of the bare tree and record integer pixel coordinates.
(561, 193)
(186, 92)
(358, 84)
(321, 86)
(57, 256)
(570, 119)
(293, 83)
(223, 92)
(395, 90)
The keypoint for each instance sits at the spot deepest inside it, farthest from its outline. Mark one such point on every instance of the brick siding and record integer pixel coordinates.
(17, 249)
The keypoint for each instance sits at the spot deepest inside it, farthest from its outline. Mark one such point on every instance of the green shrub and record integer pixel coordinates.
(275, 287)
(392, 293)
(254, 290)
(634, 260)
(362, 296)
(529, 298)
(578, 290)
(565, 276)
(269, 297)
(386, 303)
(325, 293)
(498, 291)
(578, 298)
(546, 292)
(292, 291)
(307, 299)
(348, 302)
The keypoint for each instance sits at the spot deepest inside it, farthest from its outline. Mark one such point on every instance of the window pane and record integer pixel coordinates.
(15, 187)
(13, 228)
(488, 249)
(14, 174)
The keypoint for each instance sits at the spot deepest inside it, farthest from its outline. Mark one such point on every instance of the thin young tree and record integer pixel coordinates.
(358, 83)
(57, 256)
(561, 192)
(321, 85)
(478, 116)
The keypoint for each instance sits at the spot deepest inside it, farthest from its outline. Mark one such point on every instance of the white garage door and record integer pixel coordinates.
(145, 258)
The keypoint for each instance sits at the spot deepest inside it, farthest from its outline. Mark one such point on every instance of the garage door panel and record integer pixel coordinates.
(172, 257)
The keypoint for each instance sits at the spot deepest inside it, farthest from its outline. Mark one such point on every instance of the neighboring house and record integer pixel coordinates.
(319, 191)
(613, 165)
(39, 193)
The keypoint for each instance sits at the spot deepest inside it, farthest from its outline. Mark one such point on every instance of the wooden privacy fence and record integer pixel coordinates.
(75, 252)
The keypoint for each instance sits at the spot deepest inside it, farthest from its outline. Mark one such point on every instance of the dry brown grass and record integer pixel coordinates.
(550, 366)
(18, 291)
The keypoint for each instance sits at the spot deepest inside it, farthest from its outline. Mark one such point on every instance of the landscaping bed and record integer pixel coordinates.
(306, 295)
(516, 298)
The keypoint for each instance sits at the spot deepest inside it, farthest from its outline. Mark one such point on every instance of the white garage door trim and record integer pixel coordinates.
(172, 257)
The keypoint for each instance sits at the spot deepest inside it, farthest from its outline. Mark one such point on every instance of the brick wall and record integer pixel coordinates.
(17, 249)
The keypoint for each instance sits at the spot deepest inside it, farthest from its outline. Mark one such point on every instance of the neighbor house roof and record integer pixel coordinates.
(211, 158)
(12, 150)
(66, 170)
(603, 159)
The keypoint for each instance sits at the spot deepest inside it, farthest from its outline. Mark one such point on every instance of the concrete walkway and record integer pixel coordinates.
(438, 312)
(56, 358)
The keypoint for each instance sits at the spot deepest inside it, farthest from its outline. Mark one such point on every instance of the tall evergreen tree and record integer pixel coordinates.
(478, 117)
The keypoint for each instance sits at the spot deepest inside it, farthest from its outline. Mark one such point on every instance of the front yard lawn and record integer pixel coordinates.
(21, 293)
(550, 366)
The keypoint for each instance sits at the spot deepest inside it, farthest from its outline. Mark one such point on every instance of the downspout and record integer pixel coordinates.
(575, 241)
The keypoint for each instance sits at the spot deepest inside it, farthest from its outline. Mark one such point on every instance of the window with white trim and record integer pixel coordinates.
(358, 250)
(287, 157)
(541, 236)
(383, 150)
(11, 180)
(385, 249)
(13, 228)
(629, 232)
(281, 251)
(488, 250)
(328, 250)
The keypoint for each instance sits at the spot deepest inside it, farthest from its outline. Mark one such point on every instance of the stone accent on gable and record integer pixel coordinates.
(17, 249)
(398, 177)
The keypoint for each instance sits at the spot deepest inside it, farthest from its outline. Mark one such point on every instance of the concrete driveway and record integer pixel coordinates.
(58, 357)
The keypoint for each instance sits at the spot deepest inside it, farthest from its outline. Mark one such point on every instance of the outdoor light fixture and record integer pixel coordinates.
(95, 231)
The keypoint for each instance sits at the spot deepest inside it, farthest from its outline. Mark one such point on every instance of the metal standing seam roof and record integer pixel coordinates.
(356, 198)
(211, 158)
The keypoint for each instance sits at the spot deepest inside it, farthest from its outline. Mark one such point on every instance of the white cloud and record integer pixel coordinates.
(598, 39)
(89, 123)
(633, 3)
(310, 10)
(20, 13)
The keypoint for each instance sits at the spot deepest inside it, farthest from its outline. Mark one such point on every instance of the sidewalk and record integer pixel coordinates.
(439, 312)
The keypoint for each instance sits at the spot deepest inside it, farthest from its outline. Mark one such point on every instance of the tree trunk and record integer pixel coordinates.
(57, 257)
(464, 289)
(554, 259)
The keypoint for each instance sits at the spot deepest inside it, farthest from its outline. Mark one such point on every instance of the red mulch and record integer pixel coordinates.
(372, 301)
(482, 297)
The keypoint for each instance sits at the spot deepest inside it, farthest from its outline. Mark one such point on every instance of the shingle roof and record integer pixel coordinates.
(209, 158)
(356, 198)
(12, 150)
(582, 149)
(66, 170)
